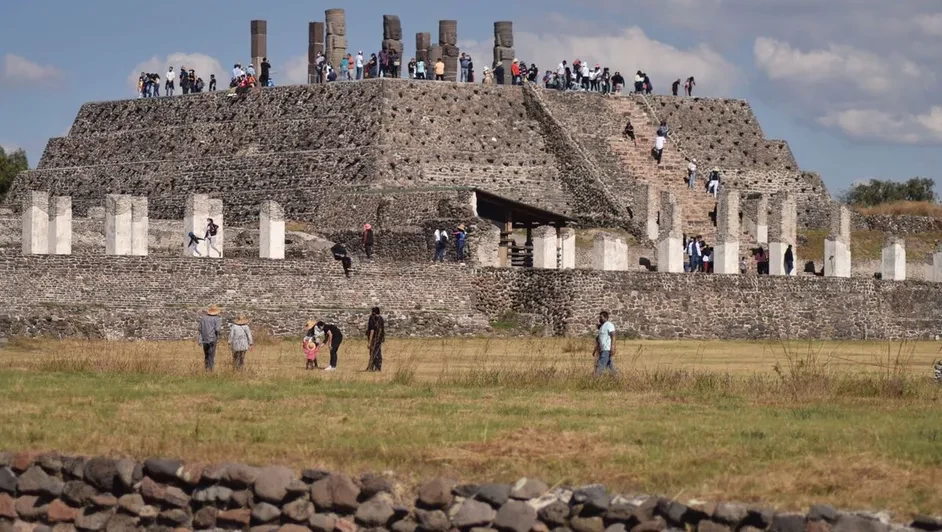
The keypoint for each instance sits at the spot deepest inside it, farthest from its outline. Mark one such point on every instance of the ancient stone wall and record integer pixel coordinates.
(49, 491)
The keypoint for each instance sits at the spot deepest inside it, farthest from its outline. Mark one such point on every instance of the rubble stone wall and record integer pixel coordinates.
(49, 491)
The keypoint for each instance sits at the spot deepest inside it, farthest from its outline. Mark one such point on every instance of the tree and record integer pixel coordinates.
(10, 165)
(875, 192)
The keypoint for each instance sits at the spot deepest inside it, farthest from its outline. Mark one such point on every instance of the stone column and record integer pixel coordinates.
(894, 259)
(315, 46)
(670, 245)
(60, 226)
(504, 44)
(36, 223)
(118, 236)
(646, 208)
(761, 232)
(194, 221)
(434, 54)
(726, 254)
(545, 248)
(567, 243)
(423, 41)
(783, 232)
(937, 264)
(392, 39)
(216, 214)
(608, 252)
(140, 224)
(259, 29)
(271, 231)
(837, 245)
(448, 41)
(336, 45)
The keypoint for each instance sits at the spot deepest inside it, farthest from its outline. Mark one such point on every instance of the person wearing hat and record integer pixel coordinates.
(692, 173)
(461, 236)
(368, 241)
(313, 338)
(375, 335)
(488, 76)
(208, 334)
(240, 340)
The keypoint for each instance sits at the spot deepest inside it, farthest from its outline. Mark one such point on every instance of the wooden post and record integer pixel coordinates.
(504, 250)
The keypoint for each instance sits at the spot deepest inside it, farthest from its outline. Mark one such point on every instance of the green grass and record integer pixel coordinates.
(867, 245)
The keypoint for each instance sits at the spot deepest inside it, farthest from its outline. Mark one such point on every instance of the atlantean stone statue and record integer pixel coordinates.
(423, 42)
(504, 44)
(315, 46)
(259, 29)
(434, 54)
(392, 36)
(448, 41)
(336, 36)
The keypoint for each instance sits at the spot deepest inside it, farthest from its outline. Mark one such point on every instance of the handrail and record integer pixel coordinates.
(657, 122)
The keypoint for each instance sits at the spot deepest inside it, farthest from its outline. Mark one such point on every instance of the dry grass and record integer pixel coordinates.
(867, 245)
(904, 208)
(853, 424)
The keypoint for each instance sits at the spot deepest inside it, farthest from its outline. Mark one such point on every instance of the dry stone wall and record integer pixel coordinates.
(62, 493)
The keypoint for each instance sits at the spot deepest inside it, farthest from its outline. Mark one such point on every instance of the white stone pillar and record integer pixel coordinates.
(215, 213)
(545, 250)
(762, 220)
(36, 223)
(937, 264)
(567, 243)
(140, 224)
(670, 252)
(726, 253)
(894, 259)
(195, 214)
(117, 224)
(606, 251)
(837, 245)
(271, 231)
(647, 210)
(60, 226)
(783, 232)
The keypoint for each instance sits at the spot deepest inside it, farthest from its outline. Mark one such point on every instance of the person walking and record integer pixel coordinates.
(211, 231)
(461, 237)
(692, 173)
(375, 335)
(208, 334)
(441, 245)
(339, 251)
(334, 337)
(689, 85)
(240, 340)
(368, 241)
(789, 261)
(605, 345)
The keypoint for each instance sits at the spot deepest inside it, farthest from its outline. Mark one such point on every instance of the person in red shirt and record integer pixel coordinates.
(515, 73)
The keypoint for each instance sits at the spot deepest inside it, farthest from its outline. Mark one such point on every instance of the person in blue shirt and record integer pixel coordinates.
(605, 345)
(461, 237)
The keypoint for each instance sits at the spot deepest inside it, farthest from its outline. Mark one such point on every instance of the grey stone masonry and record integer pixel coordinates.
(448, 42)
(392, 36)
(336, 44)
(60, 226)
(504, 44)
(423, 42)
(670, 253)
(894, 258)
(271, 229)
(118, 224)
(545, 248)
(837, 257)
(646, 210)
(726, 254)
(35, 223)
(140, 223)
(783, 232)
(567, 246)
(259, 36)
(937, 264)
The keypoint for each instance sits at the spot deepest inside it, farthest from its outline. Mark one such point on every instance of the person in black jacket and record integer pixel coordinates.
(333, 338)
(266, 72)
(499, 74)
(340, 253)
(368, 241)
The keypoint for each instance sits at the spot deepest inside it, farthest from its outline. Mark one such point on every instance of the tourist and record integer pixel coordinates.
(689, 85)
(208, 334)
(789, 261)
(499, 73)
(461, 236)
(212, 82)
(707, 258)
(695, 253)
(515, 72)
(470, 70)
(463, 62)
(199, 85)
(168, 82)
(606, 81)
(211, 231)
(383, 63)
(184, 81)
(743, 266)
(630, 132)
(639, 82)
(339, 252)
(420, 69)
(334, 337)
(659, 141)
(691, 173)
(368, 241)
(441, 244)
(675, 86)
(375, 335)
(319, 62)
(533, 73)
(584, 76)
(250, 69)
(605, 345)
(351, 68)
(373, 67)
(411, 67)
(194, 244)
(266, 74)
(310, 344)
(155, 85)
(619, 82)
(344, 68)
(595, 79)
(648, 86)
(359, 65)
(240, 340)
(713, 184)
(395, 63)
(488, 77)
(439, 70)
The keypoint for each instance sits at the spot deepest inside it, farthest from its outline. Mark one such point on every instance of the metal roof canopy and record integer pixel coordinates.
(503, 210)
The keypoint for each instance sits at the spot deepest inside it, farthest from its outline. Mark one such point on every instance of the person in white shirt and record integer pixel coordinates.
(713, 184)
(168, 85)
(441, 244)
(659, 148)
(585, 76)
(360, 64)
(692, 173)
(605, 345)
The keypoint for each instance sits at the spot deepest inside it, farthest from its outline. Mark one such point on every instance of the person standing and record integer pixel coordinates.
(168, 83)
(789, 261)
(266, 73)
(359, 65)
(420, 69)
(368, 241)
(675, 87)
(439, 70)
(689, 85)
(463, 62)
(211, 231)
(461, 237)
(375, 335)
(334, 337)
(240, 340)
(212, 82)
(605, 345)
(692, 173)
(208, 334)
(441, 244)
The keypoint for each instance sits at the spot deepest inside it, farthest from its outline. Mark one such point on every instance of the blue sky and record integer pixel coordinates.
(848, 83)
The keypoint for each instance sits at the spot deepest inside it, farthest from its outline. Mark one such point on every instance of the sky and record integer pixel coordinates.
(850, 84)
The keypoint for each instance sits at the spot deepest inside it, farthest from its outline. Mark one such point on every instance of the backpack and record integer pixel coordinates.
(212, 229)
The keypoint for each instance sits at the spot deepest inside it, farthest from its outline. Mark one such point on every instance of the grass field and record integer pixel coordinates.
(855, 424)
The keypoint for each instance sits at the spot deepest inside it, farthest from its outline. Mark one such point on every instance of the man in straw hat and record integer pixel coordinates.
(208, 334)
(376, 335)
(240, 340)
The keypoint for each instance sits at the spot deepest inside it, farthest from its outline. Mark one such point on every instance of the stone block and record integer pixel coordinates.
(448, 42)
(336, 42)
(434, 54)
(423, 41)
(545, 248)
(937, 264)
(118, 235)
(646, 209)
(35, 223)
(140, 224)
(194, 221)
(60, 226)
(567, 245)
(259, 42)
(271, 227)
(670, 252)
(392, 28)
(761, 220)
(504, 33)
(726, 252)
(315, 46)
(783, 229)
(837, 260)
(894, 259)
(609, 253)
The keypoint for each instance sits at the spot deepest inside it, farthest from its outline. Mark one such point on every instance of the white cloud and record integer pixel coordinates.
(929, 23)
(18, 70)
(293, 72)
(202, 64)
(899, 128)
